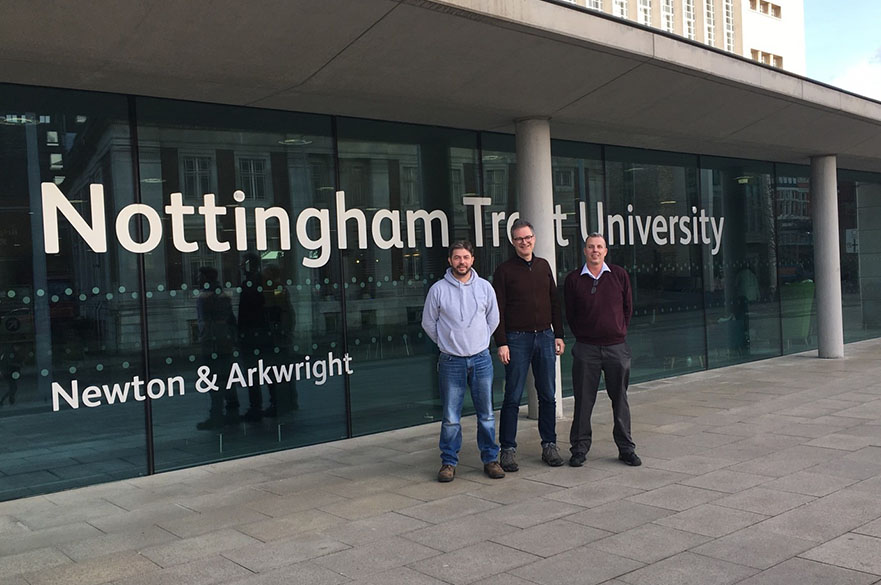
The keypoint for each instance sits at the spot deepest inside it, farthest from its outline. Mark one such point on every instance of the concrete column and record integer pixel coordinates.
(536, 188)
(827, 261)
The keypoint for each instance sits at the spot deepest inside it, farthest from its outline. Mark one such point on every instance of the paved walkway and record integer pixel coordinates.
(764, 473)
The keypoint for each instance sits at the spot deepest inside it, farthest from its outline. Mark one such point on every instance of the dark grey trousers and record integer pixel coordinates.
(588, 362)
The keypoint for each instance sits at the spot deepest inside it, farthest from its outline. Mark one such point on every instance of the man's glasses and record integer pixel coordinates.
(523, 239)
(596, 281)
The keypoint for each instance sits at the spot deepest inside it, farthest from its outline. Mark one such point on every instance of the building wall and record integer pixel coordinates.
(775, 30)
(189, 307)
(768, 32)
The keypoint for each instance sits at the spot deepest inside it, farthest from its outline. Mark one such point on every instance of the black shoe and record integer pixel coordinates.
(631, 459)
(577, 459)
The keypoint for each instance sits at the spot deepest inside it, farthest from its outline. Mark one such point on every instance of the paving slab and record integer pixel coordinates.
(806, 572)
(261, 557)
(206, 571)
(850, 551)
(724, 480)
(472, 563)
(755, 547)
(303, 573)
(293, 524)
(689, 569)
(459, 532)
(762, 500)
(449, 508)
(676, 497)
(535, 511)
(582, 566)
(376, 556)
(93, 571)
(618, 516)
(710, 520)
(374, 528)
(649, 543)
(551, 538)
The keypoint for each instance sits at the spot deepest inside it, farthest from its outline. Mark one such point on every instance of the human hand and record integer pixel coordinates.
(559, 346)
(504, 354)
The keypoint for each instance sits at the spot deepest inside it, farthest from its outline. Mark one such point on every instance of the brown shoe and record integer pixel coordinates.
(446, 473)
(493, 470)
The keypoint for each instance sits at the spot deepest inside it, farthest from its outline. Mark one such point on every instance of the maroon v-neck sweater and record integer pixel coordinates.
(600, 318)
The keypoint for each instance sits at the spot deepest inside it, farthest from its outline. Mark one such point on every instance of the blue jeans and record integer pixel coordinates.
(455, 374)
(536, 349)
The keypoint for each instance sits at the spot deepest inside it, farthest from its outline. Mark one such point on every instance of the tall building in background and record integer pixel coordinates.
(774, 33)
(768, 32)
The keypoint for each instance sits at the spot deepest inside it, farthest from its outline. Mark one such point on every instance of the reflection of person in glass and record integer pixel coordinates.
(254, 337)
(217, 333)
(266, 324)
(746, 291)
(460, 315)
(599, 306)
(530, 333)
(280, 322)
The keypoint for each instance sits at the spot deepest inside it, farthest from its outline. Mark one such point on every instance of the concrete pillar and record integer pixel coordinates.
(827, 261)
(536, 188)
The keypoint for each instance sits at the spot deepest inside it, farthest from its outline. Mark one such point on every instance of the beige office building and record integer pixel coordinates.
(768, 32)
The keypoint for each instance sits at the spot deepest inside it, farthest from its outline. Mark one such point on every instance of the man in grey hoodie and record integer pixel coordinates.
(460, 316)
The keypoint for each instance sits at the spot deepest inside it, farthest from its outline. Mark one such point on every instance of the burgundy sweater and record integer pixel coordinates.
(601, 318)
(527, 296)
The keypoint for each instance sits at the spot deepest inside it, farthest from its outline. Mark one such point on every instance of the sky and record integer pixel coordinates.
(843, 44)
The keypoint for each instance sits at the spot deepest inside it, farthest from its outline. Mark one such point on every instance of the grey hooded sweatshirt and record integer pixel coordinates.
(460, 317)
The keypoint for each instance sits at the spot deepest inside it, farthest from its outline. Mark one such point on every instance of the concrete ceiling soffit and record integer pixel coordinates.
(109, 45)
(653, 98)
(810, 130)
(441, 60)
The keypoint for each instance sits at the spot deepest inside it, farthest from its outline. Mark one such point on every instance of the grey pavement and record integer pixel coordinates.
(765, 473)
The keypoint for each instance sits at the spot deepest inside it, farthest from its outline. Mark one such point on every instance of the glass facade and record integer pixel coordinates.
(183, 283)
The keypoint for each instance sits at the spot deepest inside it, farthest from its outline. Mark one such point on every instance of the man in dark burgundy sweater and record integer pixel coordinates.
(599, 305)
(530, 332)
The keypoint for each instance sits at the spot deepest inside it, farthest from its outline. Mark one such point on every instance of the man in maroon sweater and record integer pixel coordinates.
(530, 332)
(599, 305)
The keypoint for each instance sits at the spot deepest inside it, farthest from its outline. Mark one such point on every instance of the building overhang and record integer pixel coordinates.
(477, 64)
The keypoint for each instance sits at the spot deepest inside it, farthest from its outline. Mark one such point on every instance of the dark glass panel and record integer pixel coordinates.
(859, 218)
(740, 280)
(654, 227)
(795, 258)
(259, 314)
(389, 173)
(70, 322)
(578, 185)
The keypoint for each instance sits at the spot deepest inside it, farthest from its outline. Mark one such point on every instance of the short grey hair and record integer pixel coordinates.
(521, 223)
(595, 235)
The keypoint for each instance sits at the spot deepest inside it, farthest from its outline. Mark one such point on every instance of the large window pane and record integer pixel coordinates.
(578, 186)
(859, 217)
(795, 257)
(390, 173)
(69, 317)
(740, 280)
(649, 223)
(235, 286)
